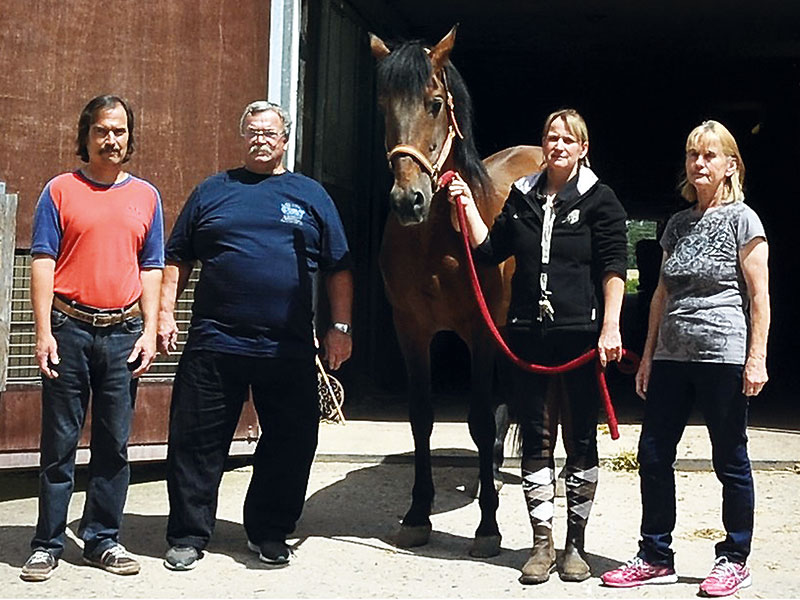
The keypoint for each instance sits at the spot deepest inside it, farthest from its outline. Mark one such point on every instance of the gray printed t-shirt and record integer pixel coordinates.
(705, 317)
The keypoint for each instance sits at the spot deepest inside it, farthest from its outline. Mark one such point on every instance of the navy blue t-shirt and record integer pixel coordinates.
(260, 239)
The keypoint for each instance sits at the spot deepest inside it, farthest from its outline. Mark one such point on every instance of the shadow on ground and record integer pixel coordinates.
(369, 504)
(366, 505)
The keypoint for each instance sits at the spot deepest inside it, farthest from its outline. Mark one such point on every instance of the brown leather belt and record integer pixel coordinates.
(97, 317)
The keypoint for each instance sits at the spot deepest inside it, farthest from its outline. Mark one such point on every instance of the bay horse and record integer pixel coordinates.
(428, 123)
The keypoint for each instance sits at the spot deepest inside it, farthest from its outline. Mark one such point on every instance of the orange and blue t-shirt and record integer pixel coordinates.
(101, 237)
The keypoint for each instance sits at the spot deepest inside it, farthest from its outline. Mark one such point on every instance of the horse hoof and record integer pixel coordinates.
(409, 537)
(485, 546)
(498, 485)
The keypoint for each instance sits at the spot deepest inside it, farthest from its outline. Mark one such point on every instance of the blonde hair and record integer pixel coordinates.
(575, 125)
(733, 190)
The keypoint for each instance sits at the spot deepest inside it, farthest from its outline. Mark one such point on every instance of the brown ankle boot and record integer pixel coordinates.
(543, 557)
(573, 566)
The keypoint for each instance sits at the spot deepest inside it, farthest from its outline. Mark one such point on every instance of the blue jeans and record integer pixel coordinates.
(717, 389)
(93, 362)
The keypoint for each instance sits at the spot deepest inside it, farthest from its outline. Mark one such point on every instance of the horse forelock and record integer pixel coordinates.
(406, 73)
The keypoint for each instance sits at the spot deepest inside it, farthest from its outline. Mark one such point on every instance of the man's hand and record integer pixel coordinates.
(167, 333)
(338, 347)
(142, 355)
(47, 355)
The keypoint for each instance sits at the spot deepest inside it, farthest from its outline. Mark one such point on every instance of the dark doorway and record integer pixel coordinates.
(643, 74)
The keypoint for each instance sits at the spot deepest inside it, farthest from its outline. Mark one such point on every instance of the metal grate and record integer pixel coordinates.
(21, 363)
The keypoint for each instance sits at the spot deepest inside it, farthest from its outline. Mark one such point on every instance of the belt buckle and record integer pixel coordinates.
(102, 320)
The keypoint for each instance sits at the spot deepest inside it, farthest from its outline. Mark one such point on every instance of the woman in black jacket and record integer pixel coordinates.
(567, 233)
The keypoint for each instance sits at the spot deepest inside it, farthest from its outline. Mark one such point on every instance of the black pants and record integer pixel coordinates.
(209, 392)
(538, 413)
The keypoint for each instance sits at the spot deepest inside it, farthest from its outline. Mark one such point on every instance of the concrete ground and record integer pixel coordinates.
(359, 490)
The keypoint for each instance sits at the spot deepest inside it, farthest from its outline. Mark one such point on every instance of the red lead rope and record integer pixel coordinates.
(568, 366)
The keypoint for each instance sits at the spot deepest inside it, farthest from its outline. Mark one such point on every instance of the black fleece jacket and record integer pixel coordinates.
(589, 239)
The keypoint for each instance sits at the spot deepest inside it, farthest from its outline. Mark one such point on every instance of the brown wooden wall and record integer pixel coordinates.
(187, 66)
(21, 417)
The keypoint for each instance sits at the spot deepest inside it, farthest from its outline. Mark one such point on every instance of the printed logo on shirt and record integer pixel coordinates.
(292, 213)
(573, 217)
(136, 210)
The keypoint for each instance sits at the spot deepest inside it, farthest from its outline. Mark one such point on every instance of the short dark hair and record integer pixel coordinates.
(87, 119)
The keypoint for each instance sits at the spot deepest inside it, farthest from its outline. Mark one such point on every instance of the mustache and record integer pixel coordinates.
(260, 148)
(109, 149)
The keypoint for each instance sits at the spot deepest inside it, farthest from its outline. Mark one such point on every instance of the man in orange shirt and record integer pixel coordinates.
(97, 262)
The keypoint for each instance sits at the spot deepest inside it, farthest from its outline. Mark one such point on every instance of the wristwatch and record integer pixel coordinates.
(344, 328)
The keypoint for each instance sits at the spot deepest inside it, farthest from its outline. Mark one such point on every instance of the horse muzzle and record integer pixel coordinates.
(410, 205)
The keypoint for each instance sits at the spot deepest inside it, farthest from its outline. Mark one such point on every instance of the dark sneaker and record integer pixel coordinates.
(181, 558)
(726, 578)
(39, 566)
(272, 552)
(637, 572)
(114, 560)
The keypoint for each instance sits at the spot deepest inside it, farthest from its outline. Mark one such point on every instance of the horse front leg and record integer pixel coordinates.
(482, 428)
(416, 526)
(502, 423)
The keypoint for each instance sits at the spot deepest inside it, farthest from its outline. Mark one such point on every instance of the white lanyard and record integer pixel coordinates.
(545, 307)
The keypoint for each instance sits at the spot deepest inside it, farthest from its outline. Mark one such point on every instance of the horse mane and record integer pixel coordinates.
(405, 73)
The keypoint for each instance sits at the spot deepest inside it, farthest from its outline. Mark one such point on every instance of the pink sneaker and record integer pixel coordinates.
(636, 572)
(726, 578)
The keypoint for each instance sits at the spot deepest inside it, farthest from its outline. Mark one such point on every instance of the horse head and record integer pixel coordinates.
(420, 117)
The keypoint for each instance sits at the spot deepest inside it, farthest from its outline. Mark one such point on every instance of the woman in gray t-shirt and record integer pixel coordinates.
(706, 344)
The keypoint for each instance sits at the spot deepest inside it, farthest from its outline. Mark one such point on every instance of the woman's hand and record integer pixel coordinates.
(755, 375)
(609, 345)
(459, 192)
(643, 377)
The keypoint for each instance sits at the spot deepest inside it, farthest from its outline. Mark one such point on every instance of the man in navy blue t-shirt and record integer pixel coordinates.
(260, 233)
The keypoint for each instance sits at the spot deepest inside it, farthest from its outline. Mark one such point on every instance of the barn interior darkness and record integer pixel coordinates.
(643, 74)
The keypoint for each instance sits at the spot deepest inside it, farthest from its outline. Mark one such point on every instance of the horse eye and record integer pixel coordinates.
(436, 106)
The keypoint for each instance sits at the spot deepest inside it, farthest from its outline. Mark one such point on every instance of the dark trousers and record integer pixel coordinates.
(209, 392)
(717, 389)
(93, 363)
(538, 413)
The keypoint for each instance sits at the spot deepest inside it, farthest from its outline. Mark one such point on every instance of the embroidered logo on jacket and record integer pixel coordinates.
(292, 213)
(573, 217)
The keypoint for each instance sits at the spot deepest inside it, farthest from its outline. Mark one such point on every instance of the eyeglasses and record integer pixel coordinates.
(272, 136)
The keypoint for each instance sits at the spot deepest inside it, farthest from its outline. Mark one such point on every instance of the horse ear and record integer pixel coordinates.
(379, 49)
(441, 51)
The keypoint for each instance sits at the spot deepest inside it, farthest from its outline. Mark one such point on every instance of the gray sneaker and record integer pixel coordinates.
(181, 558)
(39, 566)
(114, 560)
